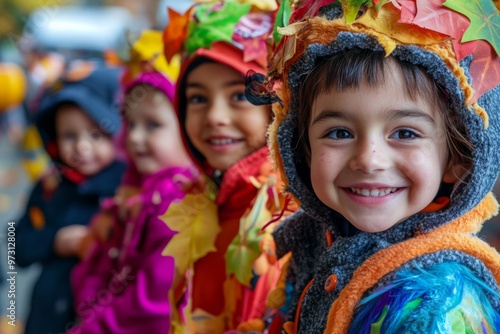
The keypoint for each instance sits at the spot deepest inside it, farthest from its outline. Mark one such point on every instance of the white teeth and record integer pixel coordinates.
(373, 192)
(224, 141)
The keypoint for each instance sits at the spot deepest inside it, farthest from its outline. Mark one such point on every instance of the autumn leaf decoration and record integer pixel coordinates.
(195, 220)
(246, 246)
(146, 55)
(474, 27)
(214, 22)
(175, 33)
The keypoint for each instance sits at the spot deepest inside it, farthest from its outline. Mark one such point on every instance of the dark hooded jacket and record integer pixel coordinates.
(62, 198)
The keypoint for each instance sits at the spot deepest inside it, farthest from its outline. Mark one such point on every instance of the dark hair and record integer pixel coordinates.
(351, 68)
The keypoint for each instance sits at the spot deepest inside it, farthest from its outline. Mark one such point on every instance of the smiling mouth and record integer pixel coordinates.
(223, 141)
(373, 192)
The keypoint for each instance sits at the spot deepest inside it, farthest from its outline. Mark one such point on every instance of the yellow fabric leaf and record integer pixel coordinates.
(149, 48)
(195, 220)
(292, 29)
(385, 21)
(268, 5)
(285, 53)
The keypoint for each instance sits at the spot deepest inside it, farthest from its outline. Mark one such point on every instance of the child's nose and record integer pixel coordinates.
(137, 134)
(83, 145)
(369, 157)
(218, 113)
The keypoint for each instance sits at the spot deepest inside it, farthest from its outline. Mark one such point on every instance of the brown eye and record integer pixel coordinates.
(339, 134)
(405, 134)
(96, 135)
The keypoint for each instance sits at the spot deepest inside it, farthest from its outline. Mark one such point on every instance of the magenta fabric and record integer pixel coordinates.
(122, 287)
(154, 79)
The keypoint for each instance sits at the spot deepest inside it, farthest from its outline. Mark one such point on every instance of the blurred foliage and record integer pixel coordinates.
(14, 14)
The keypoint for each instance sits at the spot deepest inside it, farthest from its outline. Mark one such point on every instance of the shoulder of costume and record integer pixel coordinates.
(297, 231)
(105, 181)
(443, 297)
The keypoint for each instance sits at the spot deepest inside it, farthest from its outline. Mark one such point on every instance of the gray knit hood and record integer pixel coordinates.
(320, 29)
(483, 130)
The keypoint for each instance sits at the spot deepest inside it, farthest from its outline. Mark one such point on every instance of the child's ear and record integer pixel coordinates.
(453, 172)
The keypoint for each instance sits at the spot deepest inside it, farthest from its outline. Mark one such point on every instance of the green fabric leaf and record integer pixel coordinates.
(351, 8)
(484, 20)
(241, 254)
(282, 19)
(214, 24)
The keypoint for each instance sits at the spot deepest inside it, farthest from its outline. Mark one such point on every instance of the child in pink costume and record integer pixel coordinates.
(120, 286)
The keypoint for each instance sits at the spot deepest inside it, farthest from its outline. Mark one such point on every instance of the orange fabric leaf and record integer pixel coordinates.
(37, 218)
(176, 32)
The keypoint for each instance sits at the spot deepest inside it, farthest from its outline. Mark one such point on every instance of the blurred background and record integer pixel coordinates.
(38, 39)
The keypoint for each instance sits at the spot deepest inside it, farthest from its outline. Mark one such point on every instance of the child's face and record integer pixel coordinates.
(81, 143)
(153, 138)
(377, 157)
(220, 122)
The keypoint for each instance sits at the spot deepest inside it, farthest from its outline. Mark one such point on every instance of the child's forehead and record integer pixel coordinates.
(388, 75)
(70, 109)
(144, 93)
(70, 114)
(214, 75)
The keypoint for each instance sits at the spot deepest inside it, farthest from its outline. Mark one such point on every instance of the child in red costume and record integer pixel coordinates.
(227, 279)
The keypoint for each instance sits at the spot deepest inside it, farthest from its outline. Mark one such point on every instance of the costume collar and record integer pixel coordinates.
(237, 176)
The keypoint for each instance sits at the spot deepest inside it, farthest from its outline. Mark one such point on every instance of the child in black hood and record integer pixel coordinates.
(77, 120)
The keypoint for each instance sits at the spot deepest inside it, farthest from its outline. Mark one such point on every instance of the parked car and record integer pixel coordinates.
(80, 32)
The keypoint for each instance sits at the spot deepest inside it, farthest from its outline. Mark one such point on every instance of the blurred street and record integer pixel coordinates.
(14, 189)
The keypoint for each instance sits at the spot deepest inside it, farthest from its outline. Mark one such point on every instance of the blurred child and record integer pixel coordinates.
(393, 156)
(77, 120)
(121, 287)
(229, 264)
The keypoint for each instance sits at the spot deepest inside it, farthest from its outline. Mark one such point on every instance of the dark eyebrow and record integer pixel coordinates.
(226, 84)
(412, 113)
(327, 114)
(392, 115)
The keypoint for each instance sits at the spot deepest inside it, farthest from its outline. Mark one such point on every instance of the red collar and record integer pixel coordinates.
(72, 174)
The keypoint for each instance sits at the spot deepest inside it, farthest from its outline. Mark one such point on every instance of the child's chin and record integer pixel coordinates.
(87, 172)
(374, 227)
(91, 170)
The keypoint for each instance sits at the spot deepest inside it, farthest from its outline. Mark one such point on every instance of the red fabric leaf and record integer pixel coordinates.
(431, 14)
